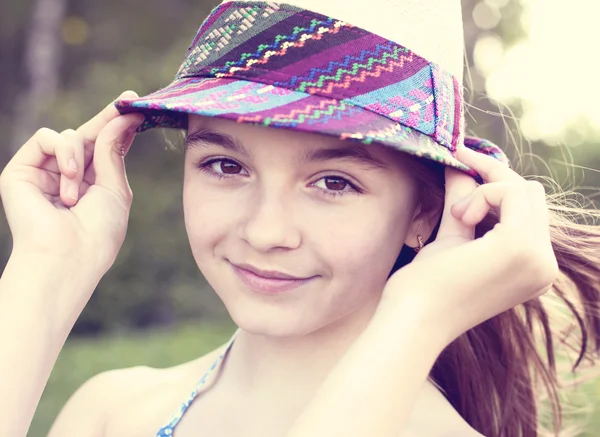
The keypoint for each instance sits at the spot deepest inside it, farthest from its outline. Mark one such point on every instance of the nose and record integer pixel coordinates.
(269, 223)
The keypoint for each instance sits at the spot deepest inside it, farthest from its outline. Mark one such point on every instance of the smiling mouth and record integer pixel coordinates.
(267, 274)
(267, 281)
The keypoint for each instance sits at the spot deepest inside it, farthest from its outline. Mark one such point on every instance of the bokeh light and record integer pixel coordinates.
(75, 31)
(553, 71)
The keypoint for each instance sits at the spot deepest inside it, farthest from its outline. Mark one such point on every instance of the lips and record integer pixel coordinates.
(267, 281)
(268, 274)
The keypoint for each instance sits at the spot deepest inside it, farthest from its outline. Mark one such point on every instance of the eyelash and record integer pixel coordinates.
(206, 168)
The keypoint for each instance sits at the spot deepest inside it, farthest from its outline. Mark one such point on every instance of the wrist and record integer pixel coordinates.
(409, 312)
(49, 287)
(63, 267)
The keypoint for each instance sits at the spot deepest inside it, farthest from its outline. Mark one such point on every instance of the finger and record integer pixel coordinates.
(90, 174)
(70, 185)
(458, 186)
(42, 145)
(510, 199)
(51, 165)
(108, 154)
(490, 169)
(92, 128)
(49, 184)
(39, 151)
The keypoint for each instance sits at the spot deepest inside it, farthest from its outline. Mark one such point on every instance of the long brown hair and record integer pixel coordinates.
(501, 374)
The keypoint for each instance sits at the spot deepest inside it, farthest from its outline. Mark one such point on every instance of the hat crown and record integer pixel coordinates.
(297, 50)
(432, 29)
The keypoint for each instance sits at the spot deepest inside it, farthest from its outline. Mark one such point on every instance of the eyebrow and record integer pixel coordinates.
(203, 137)
(355, 152)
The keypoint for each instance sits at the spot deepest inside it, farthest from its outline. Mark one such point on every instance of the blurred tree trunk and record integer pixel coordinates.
(41, 65)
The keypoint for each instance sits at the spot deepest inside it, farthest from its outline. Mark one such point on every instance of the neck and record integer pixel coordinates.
(272, 368)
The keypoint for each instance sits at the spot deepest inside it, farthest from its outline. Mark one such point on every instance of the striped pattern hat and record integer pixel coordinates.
(283, 66)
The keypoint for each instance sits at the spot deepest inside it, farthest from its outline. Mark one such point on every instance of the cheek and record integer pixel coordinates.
(360, 244)
(208, 217)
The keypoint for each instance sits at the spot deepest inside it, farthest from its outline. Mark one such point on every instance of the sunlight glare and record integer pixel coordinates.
(554, 72)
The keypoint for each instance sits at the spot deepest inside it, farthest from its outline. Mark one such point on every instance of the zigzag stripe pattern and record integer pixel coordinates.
(283, 41)
(342, 72)
(310, 114)
(327, 107)
(361, 77)
(364, 67)
(333, 75)
(283, 66)
(345, 63)
(306, 110)
(281, 52)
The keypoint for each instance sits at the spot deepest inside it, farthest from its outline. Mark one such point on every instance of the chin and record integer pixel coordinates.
(286, 315)
(259, 318)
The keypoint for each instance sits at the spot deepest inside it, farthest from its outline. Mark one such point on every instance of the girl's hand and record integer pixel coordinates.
(458, 282)
(66, 195)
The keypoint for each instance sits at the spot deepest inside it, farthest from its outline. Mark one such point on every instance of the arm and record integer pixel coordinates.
(34, 324)
(62, 246)
(375, 385)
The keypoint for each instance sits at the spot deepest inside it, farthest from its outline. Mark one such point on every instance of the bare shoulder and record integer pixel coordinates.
(137, 383)
(111, 399)
(85, 412)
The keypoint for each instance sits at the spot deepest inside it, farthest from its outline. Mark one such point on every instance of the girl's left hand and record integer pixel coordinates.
(458, 282)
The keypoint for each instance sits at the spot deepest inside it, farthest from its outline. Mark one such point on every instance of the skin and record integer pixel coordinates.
(278, 212)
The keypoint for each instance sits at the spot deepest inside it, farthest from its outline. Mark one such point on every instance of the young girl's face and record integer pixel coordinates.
(333, 212)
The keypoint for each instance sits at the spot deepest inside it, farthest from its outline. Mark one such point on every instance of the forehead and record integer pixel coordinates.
(244, 137)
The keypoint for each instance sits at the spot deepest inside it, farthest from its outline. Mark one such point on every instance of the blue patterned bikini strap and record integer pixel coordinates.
(168, 429)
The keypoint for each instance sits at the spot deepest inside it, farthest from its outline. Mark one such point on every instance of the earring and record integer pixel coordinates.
(421, 244)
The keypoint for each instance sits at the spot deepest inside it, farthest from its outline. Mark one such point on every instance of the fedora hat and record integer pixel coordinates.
(380, 72)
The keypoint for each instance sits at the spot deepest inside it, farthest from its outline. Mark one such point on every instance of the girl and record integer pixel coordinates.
(297, 228)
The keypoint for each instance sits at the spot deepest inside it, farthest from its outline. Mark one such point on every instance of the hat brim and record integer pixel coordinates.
(256, 103)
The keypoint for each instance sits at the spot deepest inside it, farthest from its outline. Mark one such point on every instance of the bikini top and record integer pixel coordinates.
(169, 428)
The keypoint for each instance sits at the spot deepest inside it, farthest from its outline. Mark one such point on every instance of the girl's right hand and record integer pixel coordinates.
(76, 214)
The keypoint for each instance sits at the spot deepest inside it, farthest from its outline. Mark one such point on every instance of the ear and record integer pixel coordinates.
(423, 224)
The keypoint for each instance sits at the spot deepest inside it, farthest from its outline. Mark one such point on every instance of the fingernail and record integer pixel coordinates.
(134, 95)
(73, 191)
(72, 164)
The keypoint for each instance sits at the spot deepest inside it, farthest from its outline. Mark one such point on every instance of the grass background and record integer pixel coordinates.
(83, 358)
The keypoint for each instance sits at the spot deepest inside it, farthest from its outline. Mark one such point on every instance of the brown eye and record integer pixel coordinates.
(335, 184)
(230, 167)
